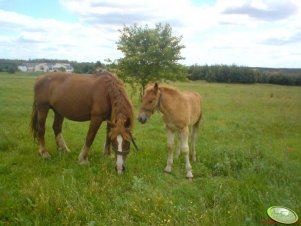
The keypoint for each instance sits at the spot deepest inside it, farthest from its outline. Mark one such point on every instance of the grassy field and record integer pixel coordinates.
(248, 159)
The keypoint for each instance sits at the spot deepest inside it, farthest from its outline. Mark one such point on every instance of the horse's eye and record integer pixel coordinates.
(150, 101)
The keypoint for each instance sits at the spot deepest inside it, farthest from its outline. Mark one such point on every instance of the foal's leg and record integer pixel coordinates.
(193, 138)
(42, 115)
(178, 145)
(57, 128)
(170, 146)
(93, 128)
(185, 147)
(107, 148)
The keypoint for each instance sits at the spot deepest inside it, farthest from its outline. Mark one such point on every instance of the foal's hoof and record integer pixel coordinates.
(45, 155)
(83, 162)
(166, 172)
(167, 169)
(189, 178)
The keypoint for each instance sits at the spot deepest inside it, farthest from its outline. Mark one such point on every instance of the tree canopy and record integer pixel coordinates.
(149, 54)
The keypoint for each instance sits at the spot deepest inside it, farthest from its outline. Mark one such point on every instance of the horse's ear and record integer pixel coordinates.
(156, 87)
(111, 124)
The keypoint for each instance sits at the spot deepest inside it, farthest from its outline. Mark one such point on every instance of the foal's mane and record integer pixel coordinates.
(121, 105)
(164, 88)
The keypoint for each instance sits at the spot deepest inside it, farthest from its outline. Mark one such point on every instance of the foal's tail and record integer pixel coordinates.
(197, 124)
(195, 127)
(34, 121)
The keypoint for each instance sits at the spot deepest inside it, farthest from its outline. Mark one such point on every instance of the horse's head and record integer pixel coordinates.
(121, 138)
(150, 103)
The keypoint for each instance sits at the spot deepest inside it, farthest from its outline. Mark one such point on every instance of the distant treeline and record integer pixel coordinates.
(240, 74)
(87, 68)
(212, 73)
(9, 66)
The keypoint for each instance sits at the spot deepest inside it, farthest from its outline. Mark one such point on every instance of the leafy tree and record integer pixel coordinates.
(149, 55)
(84, 68)
(62, 69)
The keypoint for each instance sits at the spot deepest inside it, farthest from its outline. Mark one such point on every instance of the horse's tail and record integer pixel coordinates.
(34, 121)
(197, 124)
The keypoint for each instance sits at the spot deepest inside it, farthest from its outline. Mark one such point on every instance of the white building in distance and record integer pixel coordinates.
(45, 67)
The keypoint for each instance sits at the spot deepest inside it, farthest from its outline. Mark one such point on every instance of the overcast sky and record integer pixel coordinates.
(265, 33)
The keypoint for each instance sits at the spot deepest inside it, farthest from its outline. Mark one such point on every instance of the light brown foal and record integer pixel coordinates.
(181, 110)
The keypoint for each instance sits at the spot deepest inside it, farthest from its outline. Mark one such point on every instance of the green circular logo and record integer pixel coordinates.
(282, 214)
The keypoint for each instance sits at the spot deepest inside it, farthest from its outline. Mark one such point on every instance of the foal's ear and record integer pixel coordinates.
(156, 87)
(111, 124)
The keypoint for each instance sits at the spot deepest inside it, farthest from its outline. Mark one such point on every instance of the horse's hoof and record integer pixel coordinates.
(64, 150)
(167, 169)
(45, 155)
(83, 162)
(189, 178)
(107, 153)
(166, 172)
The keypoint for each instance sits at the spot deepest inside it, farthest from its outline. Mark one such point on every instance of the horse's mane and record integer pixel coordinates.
(164, 87)
(121, 105)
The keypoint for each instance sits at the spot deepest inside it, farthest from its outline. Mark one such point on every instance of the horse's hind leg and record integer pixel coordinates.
(178, 151)
(57, 128)
(170, 146)
(193, 139)
(42, 115)
(185, 147)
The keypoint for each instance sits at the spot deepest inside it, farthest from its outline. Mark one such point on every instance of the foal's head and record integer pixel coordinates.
(121, 138)
(150, 103)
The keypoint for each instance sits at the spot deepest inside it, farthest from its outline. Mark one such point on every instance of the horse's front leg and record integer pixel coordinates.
(107, 146)
(93, 128)
(170, 146)
(178, 151)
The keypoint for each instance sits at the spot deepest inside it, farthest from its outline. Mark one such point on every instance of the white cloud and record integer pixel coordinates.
(248, 32)
(44, 38)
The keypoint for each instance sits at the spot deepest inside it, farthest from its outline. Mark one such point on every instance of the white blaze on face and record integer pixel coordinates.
(119, 161)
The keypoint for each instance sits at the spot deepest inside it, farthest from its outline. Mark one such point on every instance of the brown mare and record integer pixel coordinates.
(93, 98)
(180, 110)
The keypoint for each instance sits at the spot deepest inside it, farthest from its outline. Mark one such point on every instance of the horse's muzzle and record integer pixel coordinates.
(123, 169)
(142, 118)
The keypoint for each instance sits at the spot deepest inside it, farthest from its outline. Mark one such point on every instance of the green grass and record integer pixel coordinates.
(248, 159)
